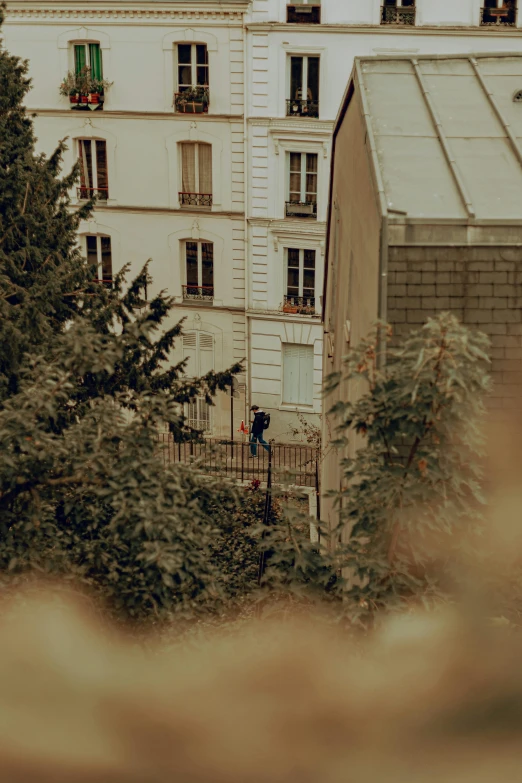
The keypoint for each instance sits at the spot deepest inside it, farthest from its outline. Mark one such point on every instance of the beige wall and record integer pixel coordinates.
(353, 269)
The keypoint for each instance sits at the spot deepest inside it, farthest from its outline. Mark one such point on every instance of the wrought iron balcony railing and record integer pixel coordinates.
(84, 194)
(200, 293)
(300, 108)
(301, 209)
(195, 199)
(305, 305)
(401, 15)
(192, 99)
(506, 15)
(303, 14)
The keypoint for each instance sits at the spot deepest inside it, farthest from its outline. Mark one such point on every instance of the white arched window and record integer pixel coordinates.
(199, 271)
(99, 254)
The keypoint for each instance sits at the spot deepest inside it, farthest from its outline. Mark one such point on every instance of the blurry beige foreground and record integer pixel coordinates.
(427, 697)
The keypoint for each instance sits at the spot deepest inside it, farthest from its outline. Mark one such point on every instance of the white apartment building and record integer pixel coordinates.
(299, 60)
(164, 153)
(210, 154)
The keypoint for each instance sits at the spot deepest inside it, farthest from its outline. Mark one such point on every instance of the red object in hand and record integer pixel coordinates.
(243, 428)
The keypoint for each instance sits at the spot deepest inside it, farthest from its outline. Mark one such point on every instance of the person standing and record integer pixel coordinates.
(258, 427)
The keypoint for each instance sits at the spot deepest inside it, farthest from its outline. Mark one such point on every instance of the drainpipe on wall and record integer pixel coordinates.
(382, 308)
(248, 384)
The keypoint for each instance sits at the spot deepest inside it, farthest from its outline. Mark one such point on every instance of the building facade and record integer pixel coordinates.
(299, 58)
(210, 154)
(162, 149)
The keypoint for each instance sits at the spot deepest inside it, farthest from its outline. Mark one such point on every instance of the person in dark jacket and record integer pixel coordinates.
(256, 430)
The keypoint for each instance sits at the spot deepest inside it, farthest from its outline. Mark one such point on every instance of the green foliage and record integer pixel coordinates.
(85, 385)
(414, 481)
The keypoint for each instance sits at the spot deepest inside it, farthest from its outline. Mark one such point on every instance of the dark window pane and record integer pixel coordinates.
(184, 54)
(308, 281)
(201, 54)
(293, 280)
(92, 252)
(311, 162)
(207, 264)
(101, 167)
(309, 259)
(191, 250)
(202, 74)
(106, 259)
(313, 79)
(184, 76)
(293, 256)
(296, 77)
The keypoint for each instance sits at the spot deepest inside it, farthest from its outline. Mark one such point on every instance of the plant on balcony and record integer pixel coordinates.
(288, 307)
(83, 88)
(192, 100)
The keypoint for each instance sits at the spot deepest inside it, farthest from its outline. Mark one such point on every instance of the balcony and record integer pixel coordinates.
(507, 15)
(302, 305)
(303, 14)
(84, 194)
(198, 293)
(301, 209)
(192, 100)
(402, 15)
(195, 199)
(302, 108)
(84, 90)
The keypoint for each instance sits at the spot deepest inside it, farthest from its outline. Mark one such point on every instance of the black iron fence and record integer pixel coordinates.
(290, 464)
(398, 15)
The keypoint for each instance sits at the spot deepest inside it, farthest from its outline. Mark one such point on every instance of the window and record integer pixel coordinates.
(298, 374)
(304, 87)
(398, 12)
(94, 181)
(302, 185)
(88, 55)
(99, 255)
(501, 12)
(196, 175)
(304, 12)
(199, 271)
(198, 350)
(192, 95)
(197, 414)
(300, 281)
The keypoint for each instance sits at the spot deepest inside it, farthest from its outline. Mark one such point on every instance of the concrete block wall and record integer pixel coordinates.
(482, 286)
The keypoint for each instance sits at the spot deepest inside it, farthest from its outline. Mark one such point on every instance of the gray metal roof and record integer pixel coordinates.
(447, 134)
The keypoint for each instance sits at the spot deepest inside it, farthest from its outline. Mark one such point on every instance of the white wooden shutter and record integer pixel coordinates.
(298, 369)
(190, 352)
(206, 353)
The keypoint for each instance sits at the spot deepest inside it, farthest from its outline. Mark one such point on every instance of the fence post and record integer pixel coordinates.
(266, 516)
(318, 498)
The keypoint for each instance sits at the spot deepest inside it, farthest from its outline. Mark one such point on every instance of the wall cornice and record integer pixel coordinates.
(377, 29)
(172, 116)
(114, 11)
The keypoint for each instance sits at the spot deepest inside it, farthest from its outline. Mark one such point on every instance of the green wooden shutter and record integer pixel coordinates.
(79, 58)
(95, 57)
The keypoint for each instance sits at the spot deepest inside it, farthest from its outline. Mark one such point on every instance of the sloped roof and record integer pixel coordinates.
(447, 134)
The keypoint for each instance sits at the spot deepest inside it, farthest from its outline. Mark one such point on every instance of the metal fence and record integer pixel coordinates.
(291, 464)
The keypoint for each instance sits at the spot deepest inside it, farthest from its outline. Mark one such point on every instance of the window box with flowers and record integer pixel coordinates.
(83, 90)
(192, 100)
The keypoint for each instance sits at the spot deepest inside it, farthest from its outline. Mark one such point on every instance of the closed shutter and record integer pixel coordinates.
(298, 369)
(198, 348)
(206, 353)
(190, 351)
(95, 57)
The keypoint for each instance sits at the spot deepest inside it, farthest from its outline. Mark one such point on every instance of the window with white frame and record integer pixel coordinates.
(304, 12)
(298, 374)
(88, 55)
(302, 184)
(303, 100)
(196, 174)
(300, 281)
(192, 65)
(198, 350)
(94, 180)
(99, 255)
(199, 270)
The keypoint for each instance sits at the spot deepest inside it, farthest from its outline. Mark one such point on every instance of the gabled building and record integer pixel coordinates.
(425, 211)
